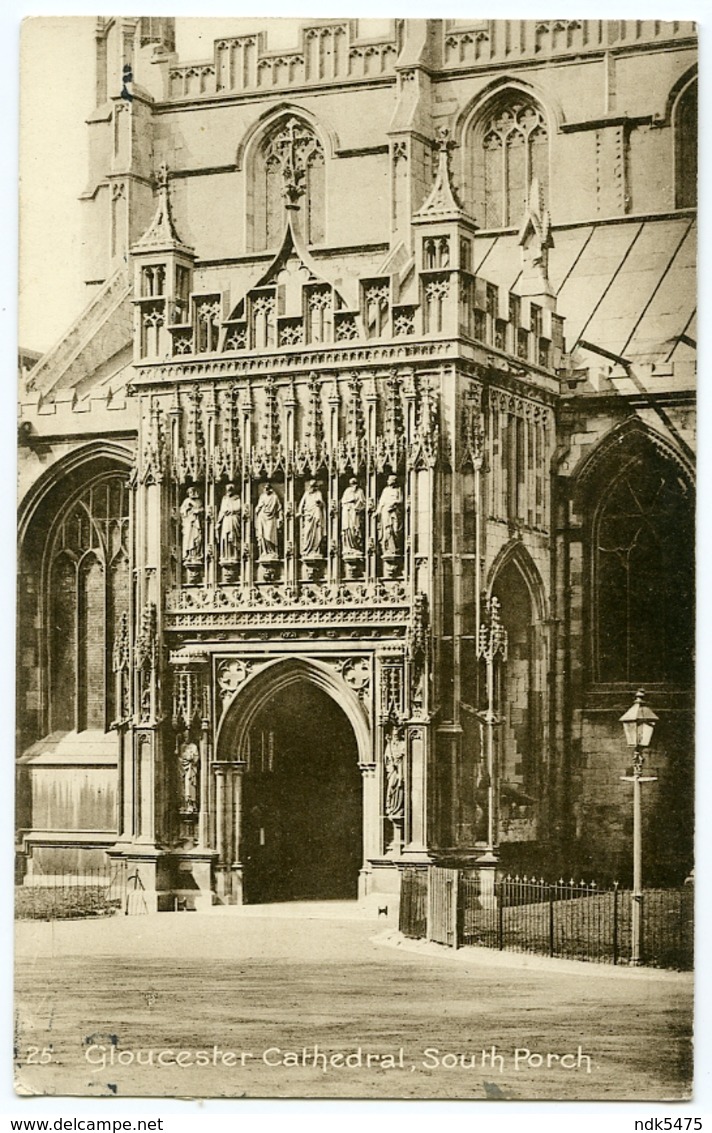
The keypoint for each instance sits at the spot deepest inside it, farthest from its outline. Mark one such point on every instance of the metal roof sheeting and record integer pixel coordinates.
(628, 287)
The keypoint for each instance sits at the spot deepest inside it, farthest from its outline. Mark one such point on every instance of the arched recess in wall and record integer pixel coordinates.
(267, 682)
(636, 498)
(73, 591)
(685, 141)
(516, 582)
(287, 145)
(505, 142)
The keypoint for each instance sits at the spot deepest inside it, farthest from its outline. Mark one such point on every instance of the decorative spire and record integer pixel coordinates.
(442, 201)
(535, 240)
(161, 232)
(271, 435)
(314, 432)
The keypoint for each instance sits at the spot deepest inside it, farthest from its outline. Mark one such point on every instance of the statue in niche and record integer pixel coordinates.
(189, 763)
(312, 514)
(389, 515)
(395, 789)
(268, 523)
(353, 507)
(228, 526)
(191, 518)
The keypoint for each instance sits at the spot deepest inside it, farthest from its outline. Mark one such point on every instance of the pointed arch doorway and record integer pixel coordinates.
(301, 805)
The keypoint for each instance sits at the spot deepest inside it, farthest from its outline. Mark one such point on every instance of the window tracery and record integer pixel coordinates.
(643, 578)
(289, 167)
(686, 148)
(89, 592)
(509, 149)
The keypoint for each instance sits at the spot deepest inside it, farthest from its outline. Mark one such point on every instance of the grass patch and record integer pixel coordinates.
(64, 902)
(591, 928)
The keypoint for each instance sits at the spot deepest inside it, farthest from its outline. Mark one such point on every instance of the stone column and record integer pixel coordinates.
(370, 530)
(211, 554)
(410, 483)
(145, 827)
(204, 814)
(246, 441)
(333, 561)
(236, 771)
(291, 522)
(219, 770)
(371, 824)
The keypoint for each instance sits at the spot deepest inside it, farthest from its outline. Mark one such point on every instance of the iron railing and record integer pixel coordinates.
(573, 920)
(64, 896)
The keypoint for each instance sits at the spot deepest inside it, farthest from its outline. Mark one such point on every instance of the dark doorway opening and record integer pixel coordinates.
(302, 801)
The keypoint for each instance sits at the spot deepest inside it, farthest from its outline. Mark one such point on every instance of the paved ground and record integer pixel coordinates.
(230, 1004)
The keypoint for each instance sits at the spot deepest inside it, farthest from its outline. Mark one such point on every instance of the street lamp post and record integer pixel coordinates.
(638, 724)
(491, 645)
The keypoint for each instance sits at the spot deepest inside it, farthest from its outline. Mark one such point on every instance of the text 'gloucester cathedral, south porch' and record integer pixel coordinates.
(358, 501)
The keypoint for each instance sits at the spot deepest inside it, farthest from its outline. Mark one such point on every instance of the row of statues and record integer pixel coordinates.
(268, 520)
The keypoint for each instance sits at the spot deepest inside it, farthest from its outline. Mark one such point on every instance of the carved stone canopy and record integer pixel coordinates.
(161, 233)
(442, 203)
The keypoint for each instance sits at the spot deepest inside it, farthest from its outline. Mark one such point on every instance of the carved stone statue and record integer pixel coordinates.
(191, 516)
(353, 507)
(189, 763)
(312, 513)
(268, 523)
(389, 515)
(395, 791)
(228, 526)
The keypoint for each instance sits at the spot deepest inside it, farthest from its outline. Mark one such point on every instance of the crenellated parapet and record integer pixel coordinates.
(480, 43)
(332, 52)
(327, 52)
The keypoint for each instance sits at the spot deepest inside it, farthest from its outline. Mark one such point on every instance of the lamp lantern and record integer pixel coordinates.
(638, 723)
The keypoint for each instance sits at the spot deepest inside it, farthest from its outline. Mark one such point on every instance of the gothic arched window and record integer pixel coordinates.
(643, 575)
(685, 127)
(88, 592)
(290, 159)
(509, 148)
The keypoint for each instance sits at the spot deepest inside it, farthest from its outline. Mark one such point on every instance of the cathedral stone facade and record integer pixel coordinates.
(358, 501)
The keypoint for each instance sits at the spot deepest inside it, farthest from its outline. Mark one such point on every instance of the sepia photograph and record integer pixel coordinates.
(356, 558)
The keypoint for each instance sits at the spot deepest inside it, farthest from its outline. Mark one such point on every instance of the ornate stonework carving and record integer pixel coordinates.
(283, 596)
(268, 522)
(292, 149)
(356, 671)
(189, 768)
(189, 456)
(190, 693)
(227, 527)
(472, 434)
(266, 362)
(227, 455)
(353, 511)
(393, 758)
(392, 701)
(389, 518)
(121, 665)
(146, 663)
(146, 640)
(418, 645)
(312, 520)
(192, 516)
(153, 457)
(231, 674)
